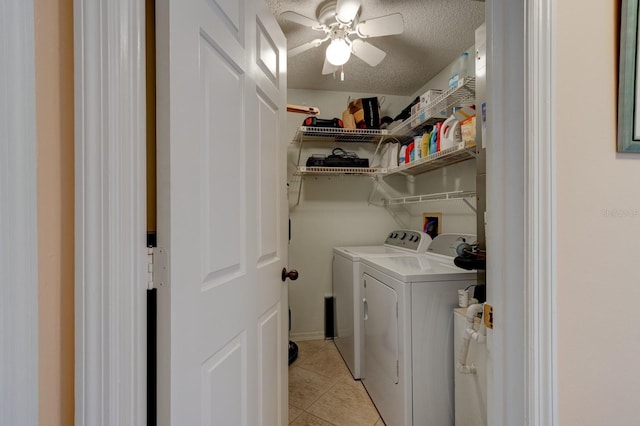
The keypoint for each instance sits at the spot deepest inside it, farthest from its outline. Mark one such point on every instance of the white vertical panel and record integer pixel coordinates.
(110, 212)
(268, 54)
(505, 218)
(540, 250)
(222, 165)
(224, 393)
(269, 356)
(268, 149)
(18, 221)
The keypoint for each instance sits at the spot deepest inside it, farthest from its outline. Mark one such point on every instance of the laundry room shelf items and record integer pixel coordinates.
(307, 134)
(438, 110)
(463, 94)
(332, 135)
(456, 154)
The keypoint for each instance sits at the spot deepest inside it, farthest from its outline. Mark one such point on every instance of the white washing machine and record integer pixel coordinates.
(408, 333)
(470, 388)
(347, 289)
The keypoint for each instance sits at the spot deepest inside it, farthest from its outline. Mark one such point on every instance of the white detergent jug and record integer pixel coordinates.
(450, 133)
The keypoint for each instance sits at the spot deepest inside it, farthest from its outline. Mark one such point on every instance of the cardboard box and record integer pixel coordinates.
(429, 96)
(468, 131)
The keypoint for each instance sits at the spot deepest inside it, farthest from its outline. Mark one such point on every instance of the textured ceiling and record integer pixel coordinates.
(435, 32)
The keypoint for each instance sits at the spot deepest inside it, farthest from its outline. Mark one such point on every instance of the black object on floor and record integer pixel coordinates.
(293, 352)
(329, 328)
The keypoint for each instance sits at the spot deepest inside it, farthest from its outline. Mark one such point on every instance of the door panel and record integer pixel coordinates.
(221, 213)
(268, 180)
(271, 206)
(224, 393)
(231, 10)
(221, 166)
(267, 54)
(270, 378)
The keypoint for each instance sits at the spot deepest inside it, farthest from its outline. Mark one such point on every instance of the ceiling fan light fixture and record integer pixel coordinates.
(338, 52)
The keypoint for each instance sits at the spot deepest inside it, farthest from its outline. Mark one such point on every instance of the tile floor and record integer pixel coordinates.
(322, 392)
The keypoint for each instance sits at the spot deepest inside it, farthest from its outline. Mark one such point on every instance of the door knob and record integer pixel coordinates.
(292, 274)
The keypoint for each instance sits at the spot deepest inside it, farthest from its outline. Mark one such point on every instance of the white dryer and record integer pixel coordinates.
(408, 333)
(347, 289)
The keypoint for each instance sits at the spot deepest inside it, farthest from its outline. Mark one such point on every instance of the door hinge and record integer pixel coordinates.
(150, 285)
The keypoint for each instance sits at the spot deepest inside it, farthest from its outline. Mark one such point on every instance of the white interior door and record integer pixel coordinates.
(222, 214)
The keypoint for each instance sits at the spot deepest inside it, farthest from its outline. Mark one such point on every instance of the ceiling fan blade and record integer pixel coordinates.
(328, 68)
(346, 10)
(300, 19)
(382, 26)
(367, 52)
(304, 47)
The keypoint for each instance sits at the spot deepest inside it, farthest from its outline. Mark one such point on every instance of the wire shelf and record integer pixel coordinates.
(335, 171)
(331, 134)
(456, 154)
(455, 195)
(461, 95)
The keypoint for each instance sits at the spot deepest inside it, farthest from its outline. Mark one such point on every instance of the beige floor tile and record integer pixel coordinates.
(312, 346)
(307, 419)
(320, 383)
(325, 360)
(306, 386)
(346, 403)
(294, 412)
(312, 343)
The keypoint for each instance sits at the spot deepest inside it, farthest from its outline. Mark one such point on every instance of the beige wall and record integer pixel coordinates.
(598, 227)
(54, 110)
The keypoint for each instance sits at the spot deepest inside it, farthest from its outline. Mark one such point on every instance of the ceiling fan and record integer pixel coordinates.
(339, 21)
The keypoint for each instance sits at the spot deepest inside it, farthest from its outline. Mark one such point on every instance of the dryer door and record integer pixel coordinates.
(381, 341)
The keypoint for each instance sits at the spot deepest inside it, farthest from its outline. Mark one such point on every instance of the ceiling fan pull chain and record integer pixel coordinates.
(342, 73)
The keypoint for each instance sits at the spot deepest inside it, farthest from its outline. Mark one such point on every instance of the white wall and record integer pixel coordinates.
(441, 80)
(598, 227)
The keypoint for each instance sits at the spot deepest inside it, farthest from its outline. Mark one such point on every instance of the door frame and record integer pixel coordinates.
(18, 217)
(110, 215)
(522, 384)
(541, 395)
(110, 220)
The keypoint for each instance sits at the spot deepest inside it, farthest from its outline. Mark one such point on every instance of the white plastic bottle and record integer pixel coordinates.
(417, 140)
(459, 69)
